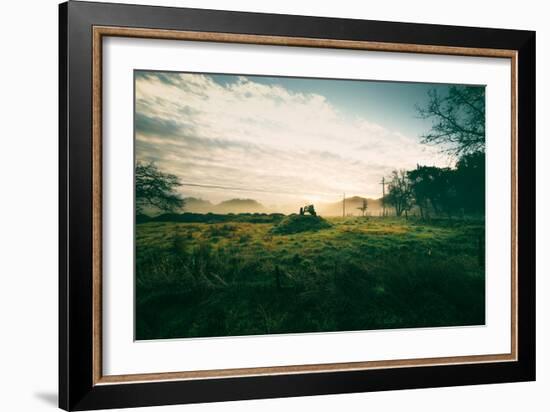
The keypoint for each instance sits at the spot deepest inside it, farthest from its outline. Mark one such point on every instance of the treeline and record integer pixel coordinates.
(458, 127)
(188, 217)
(436, 191)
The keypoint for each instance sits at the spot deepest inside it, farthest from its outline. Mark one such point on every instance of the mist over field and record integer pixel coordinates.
(352, 204)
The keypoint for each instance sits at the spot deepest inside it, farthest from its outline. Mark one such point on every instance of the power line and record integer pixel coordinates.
(242, 189)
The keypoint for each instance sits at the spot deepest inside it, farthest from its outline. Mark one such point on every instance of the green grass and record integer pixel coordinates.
(243, 278)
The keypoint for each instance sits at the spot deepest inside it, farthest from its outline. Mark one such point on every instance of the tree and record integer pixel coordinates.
(364, 206)
(399, 192)
(422, 186)
(156, 189)
(458, 119)
(470, 182)
(446, 198)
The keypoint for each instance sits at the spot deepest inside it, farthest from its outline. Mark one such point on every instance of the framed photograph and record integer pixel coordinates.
(256, 206)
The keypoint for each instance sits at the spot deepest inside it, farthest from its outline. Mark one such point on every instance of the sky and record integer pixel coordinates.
(280, 140)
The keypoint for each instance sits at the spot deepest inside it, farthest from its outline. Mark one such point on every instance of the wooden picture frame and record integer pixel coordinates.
(82, 384)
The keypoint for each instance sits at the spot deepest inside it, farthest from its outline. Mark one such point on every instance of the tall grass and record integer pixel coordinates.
(240, 279)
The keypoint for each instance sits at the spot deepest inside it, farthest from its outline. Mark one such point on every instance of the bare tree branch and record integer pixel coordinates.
(458, 119)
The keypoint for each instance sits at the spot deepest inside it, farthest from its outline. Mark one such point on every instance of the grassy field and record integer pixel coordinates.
(244, 278)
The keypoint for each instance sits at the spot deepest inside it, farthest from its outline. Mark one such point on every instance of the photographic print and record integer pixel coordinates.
(271, 205)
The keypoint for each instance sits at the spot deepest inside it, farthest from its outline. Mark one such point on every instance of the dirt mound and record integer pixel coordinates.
(300, 223)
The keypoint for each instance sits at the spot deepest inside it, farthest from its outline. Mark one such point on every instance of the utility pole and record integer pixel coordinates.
(383, 183)
(344, 206)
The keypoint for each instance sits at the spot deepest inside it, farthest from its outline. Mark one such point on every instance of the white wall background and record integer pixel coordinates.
(28, 204)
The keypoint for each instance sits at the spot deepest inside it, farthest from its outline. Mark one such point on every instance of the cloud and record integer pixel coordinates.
(157, 126)
(260, 136)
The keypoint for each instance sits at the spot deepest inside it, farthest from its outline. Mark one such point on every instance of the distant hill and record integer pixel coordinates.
(374, 207)
(240, 206)
(195, 205)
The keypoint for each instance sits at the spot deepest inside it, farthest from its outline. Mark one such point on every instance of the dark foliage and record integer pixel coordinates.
(437, 191)
(470, 182)
(155, 189)
(212, 218)
(399, 193)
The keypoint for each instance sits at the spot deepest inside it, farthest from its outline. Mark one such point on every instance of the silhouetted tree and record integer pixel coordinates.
(433, 188)
(156, 189)
(399, 192)
(458, 119)
(422, 186)
(446, 198)
(470, 182)
(364, 206)
(450, 191)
